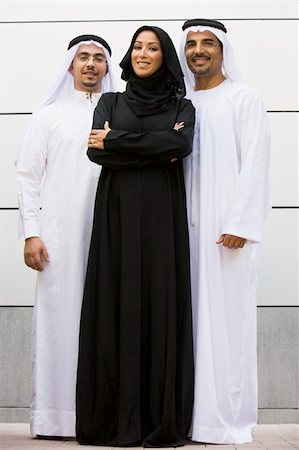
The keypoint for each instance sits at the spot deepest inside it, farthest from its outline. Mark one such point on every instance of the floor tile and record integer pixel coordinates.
(266, 437)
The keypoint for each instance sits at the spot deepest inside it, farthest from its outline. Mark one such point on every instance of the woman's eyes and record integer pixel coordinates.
(152, 49)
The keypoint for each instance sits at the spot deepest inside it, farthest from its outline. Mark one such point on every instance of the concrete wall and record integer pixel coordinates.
(33, 38)
(277, 364)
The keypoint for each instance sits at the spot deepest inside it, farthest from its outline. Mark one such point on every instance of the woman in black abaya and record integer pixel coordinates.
(135, 369)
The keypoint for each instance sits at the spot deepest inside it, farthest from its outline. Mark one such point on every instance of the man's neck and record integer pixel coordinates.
(93, 91)
(204, 83)
(89, 90)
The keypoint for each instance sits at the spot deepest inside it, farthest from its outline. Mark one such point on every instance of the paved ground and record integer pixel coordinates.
(15, 436)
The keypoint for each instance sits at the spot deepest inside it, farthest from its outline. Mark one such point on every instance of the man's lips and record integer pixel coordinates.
(200, 59)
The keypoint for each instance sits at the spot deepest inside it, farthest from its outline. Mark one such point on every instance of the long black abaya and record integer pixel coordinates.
(135, 370)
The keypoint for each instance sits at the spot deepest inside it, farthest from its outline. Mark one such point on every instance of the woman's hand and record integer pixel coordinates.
(96, 137)
(178, 126)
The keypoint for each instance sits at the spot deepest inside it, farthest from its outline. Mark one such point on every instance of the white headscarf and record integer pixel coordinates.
(63, 85)
(229, 69)
(64, 81)
(229, 65)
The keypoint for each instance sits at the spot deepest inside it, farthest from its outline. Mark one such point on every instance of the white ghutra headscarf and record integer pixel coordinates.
(229, 69)
(229, 66)
(64, 80)
(65, 83)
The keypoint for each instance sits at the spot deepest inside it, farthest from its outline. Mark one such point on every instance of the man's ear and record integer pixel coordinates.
(70, 69)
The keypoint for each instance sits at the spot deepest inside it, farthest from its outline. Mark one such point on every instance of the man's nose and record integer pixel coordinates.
(90, 61)
(198, 48)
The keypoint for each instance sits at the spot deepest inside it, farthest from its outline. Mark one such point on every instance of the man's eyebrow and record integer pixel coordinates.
(93, 54)
(203, 40)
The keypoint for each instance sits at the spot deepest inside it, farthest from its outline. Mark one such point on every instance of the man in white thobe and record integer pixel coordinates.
(57, 239)
(228, 198)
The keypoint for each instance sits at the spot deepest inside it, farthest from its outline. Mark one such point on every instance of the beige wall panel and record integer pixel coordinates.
(17, 281)
(284, 158)
(267, 54)
(155, 9)
(32, 71)
(278, 274)
(34, 67)
(11, 132)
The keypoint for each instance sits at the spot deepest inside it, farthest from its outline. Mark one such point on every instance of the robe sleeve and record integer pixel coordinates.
(30, 168)
(251, 201)
(162, 145)
(123, 149)
(112, 159)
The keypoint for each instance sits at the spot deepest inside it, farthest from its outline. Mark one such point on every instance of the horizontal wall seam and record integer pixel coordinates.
(277, 306)
(258, 306)
(279, 409)
(146, 20)
(29, 113)
(3, 408)
(16, 306)
(14, 407)
(15, 113)
(7, 208)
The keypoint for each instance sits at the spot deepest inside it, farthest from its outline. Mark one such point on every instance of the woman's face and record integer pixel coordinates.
(146, 56)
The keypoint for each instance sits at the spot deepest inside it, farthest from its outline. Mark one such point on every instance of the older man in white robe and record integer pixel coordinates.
(57, 239)
(228, 199)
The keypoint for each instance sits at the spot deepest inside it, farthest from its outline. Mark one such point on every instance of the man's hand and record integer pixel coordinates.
(96, 137)
(231, 241)
(35, 253)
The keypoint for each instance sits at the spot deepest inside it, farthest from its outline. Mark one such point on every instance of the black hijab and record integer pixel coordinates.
(153, 95)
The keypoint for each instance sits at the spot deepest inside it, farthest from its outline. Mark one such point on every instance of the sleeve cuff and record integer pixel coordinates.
(245, 234)
(31, 229)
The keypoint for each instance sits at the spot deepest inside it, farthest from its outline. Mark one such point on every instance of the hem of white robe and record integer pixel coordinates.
(213, 435)
(53, 423)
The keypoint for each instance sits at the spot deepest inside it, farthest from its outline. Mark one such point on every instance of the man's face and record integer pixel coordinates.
(203, 54)
(89, 68)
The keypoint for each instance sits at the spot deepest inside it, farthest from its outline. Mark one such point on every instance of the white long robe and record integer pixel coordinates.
(56, 143)
(227, 189)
